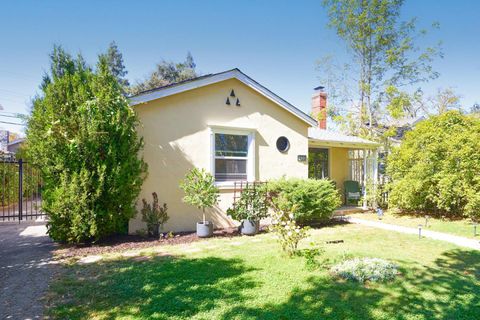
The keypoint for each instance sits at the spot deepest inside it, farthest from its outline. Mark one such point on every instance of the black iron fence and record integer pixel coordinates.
(20, 190)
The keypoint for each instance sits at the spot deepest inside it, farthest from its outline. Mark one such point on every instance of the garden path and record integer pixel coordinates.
(26, 268)
(460, 241)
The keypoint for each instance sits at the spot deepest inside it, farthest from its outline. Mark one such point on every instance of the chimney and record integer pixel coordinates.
(319, 107)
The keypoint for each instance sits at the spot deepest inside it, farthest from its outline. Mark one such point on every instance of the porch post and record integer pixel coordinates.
(375, 175)
(365, 179)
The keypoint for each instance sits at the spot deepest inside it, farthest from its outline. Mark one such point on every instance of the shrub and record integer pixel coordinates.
(375, 195)
(200, 190)
(284, 226)
(154, 215)
(82, 136)
(312, 200)
(435, 169)
(252, 204)
(310, 254)
(366, 269)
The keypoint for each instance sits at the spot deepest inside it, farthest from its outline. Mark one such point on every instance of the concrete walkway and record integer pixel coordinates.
(459, 241)
(26, 268)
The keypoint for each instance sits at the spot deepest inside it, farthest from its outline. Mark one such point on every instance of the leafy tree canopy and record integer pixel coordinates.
(167, 72)
(385, 60)
(436, 167)
(200, 190)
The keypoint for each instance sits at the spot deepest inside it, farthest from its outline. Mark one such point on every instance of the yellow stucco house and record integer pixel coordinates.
(239, 130)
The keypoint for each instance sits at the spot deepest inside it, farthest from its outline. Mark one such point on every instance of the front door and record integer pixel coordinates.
(318, 163)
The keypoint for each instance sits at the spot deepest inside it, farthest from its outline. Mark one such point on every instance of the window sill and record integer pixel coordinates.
(228, 185)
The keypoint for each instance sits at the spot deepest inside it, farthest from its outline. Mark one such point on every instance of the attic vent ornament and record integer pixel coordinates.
(235, 99)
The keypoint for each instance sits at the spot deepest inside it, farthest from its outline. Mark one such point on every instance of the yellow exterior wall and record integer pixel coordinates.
(339, 166)
(177, 135)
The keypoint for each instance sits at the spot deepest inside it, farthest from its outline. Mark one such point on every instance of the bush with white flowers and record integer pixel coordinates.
(366, 269)
(286, 230)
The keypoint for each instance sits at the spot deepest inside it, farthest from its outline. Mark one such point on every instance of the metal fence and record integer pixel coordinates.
(20, 190)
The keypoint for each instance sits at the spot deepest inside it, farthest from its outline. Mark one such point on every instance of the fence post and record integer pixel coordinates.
(20, 189)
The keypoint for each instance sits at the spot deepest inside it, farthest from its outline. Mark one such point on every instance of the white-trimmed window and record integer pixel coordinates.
(232, 156)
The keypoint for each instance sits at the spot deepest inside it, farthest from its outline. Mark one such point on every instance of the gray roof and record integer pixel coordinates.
(329, 137)
(404, 122)
(19, 140)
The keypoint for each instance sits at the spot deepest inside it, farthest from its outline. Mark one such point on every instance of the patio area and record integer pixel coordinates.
(342, 158)
(346, 210)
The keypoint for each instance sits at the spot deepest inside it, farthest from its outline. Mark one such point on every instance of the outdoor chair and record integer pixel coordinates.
(353, 191)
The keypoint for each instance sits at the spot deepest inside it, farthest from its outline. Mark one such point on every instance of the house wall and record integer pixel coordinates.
(177, 134)
(339, 166)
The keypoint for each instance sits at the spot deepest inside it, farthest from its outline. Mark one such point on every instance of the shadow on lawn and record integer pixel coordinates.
(159, 288)
(170, 287)
(450, 290)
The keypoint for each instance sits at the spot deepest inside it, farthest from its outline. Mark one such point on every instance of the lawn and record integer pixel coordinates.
(463, 228)
(248, 278)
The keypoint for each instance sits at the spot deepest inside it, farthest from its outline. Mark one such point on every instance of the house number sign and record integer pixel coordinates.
(302, 157)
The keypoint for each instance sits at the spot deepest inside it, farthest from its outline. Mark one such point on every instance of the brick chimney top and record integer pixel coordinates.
(319, 107)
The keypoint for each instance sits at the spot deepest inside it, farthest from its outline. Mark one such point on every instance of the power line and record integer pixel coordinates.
(14, 99)
(10, 116)
(14, 113)
(15, 92)
(18, 124)
(19, 75)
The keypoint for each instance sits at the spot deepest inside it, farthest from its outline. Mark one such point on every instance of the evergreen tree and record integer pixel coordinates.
(82, 136)
(475, 108)
(115, 63)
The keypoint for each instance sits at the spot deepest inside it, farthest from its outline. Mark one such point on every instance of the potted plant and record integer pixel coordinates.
(201, 192)
(250, 208)
(154, 215)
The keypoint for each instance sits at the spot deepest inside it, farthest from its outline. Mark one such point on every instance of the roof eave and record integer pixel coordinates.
(343, 144)
(215, 78)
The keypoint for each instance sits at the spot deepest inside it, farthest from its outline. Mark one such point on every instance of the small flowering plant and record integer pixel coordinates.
(366, 269)
(287, 231)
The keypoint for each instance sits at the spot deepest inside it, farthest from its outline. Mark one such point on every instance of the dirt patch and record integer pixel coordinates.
(131, 242)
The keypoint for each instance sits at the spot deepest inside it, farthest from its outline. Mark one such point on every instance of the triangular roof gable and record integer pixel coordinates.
(218, 77)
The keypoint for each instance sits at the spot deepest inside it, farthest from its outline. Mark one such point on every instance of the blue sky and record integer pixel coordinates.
(275, 42)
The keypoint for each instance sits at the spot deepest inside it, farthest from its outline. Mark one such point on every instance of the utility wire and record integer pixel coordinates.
(18, 124)
(9, 116)
(20, 94)
(13, 115)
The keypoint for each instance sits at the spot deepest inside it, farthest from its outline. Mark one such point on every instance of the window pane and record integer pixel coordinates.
(231, 145)
(230, 170)
(318, 163)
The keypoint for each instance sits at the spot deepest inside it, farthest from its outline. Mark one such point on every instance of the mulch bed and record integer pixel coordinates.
(130, 242)
(121, 243)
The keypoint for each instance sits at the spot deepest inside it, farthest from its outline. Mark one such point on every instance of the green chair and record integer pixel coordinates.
(353, 191)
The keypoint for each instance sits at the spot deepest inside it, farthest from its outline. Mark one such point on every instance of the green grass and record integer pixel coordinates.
(248, 278)
(463, 228)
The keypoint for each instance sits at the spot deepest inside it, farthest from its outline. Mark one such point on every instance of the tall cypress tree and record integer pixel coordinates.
(82, 135)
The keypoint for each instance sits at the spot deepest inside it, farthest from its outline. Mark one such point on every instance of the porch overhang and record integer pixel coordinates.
(327, 138)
